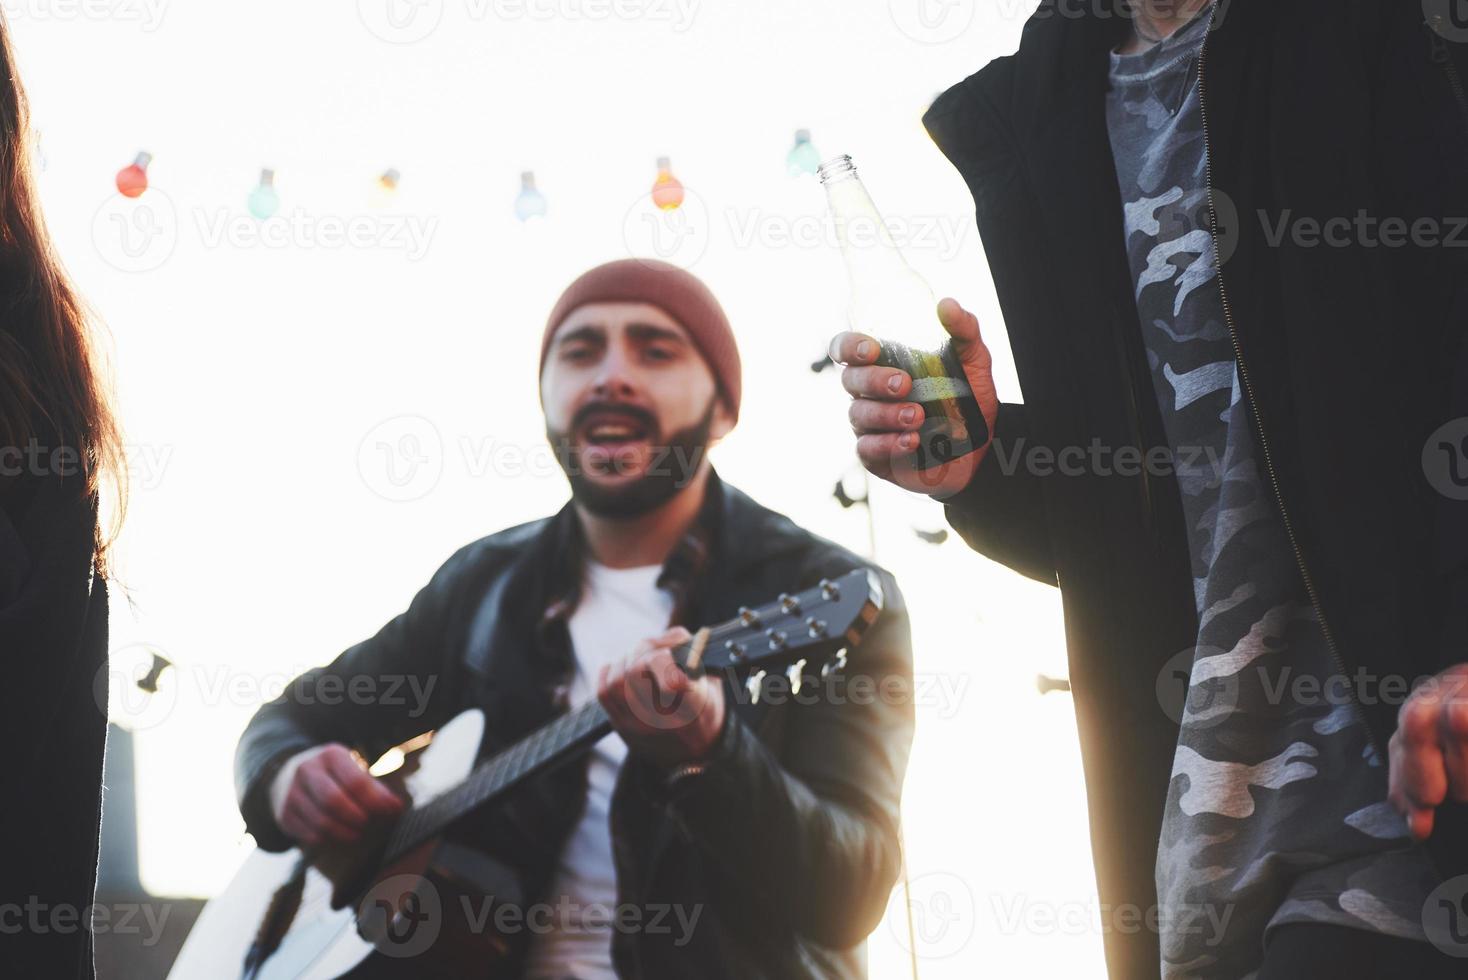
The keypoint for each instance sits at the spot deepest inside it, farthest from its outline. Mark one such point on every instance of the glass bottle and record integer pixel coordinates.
(891, 302)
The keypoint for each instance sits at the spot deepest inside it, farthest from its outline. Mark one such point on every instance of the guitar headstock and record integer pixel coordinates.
(809, 626)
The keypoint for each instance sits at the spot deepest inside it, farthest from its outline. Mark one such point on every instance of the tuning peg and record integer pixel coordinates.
(932, 537)
(735, 649)
(754, 684)
(789, 605)
(778, 639)
(830, 591)
(795, 673)
(815, 627)
(1045, 684)
(748, 617)
(836, 663)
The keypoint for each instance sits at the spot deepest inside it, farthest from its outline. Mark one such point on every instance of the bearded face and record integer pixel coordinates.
(631, 407)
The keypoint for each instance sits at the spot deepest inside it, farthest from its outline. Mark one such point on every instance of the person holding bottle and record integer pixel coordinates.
(1230, 458)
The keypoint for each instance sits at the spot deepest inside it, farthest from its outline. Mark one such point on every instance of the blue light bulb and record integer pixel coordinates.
(264, 201)
(530, 203)
(803, 158)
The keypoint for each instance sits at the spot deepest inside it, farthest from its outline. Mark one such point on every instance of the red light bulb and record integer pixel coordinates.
(132, 180)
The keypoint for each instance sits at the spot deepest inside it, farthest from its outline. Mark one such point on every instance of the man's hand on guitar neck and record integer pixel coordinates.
(660, 711)
(326, 794)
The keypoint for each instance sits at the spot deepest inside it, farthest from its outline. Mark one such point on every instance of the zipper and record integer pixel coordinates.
(1228, 317)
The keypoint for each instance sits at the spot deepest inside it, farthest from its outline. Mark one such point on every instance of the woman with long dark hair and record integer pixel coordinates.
(61, 456)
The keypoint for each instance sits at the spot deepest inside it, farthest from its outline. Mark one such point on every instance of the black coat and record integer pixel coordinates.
(789, 841)
(1353, 356)
(53, 638)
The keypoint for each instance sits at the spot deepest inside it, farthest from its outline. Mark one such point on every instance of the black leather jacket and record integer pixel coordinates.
(1316, 109)
(788, 841)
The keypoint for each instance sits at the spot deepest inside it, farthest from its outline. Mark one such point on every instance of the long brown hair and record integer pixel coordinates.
(52, 379)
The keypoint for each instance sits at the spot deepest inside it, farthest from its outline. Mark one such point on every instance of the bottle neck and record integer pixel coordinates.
(865, 239)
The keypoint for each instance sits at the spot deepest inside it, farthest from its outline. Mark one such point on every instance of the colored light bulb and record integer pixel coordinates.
(667, 190)
(529, 203)
(385, 188)
(132, 180)
(264, 201)
(803, 158)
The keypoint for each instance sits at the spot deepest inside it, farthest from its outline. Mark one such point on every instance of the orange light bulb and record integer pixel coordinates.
(667, 190)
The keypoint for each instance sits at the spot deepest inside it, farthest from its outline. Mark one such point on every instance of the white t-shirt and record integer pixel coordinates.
(619, 608)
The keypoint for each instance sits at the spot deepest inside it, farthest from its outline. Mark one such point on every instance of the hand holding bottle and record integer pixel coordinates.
(887, 420)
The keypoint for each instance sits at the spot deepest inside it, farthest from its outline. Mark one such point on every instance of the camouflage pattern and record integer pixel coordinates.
(1276, 812)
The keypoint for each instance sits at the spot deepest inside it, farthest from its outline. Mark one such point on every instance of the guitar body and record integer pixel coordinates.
(420, 909)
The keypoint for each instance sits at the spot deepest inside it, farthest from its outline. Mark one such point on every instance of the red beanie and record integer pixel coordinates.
(676, 292)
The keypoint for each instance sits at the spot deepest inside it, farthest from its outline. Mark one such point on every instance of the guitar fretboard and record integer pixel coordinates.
(552, 743)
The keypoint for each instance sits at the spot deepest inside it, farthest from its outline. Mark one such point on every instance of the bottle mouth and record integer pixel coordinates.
(836, 168)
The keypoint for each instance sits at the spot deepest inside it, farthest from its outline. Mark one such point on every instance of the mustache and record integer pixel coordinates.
(635, 413)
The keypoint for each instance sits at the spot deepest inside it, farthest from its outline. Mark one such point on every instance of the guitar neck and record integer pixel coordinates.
(552, 744)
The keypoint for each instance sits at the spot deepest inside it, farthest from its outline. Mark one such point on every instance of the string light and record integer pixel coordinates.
(264, 201)
(132, 180)
(802, 158)
(667, 190)
(530, 202)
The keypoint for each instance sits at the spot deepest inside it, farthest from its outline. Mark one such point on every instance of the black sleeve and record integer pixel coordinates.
(46, 588)
(811, 834)
(1001, 513)
(383, 691)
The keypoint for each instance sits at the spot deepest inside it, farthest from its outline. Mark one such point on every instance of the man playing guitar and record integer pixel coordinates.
(769, 825)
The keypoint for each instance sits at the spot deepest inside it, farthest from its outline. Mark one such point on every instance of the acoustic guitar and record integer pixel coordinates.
(408, 902)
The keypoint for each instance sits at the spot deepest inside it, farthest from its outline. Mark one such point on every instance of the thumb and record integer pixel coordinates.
(962, 326)
(973, 354)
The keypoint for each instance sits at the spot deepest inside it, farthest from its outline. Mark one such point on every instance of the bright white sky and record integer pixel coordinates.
(269, 375)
